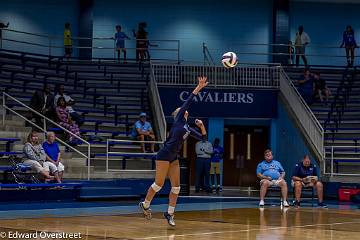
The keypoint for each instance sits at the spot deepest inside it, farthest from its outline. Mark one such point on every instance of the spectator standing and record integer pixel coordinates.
(143, 131)
(349, 43)
(120, 42)
(306, 86)
(67, 41)
(42, 102)
(64, 119)
(305, 174)
(271, 173)
(204, 150)
(142, 42)
(52, 150)
(35, 157)
(291, 51)
(302, 39)
(215, 168)
(69, 105)
(2, 26)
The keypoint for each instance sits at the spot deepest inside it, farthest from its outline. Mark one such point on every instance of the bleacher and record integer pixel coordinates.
(109, 95)
(340, 117)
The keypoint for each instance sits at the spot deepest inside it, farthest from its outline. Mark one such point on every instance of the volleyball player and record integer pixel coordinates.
(167, 163)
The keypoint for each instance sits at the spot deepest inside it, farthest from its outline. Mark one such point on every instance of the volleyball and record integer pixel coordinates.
(229, 60)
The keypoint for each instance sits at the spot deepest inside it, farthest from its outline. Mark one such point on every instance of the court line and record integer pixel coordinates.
(247, 230)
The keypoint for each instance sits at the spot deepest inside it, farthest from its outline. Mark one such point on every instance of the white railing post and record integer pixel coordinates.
(89, 163)
(107, 155)
(4, 110)
(332, 161)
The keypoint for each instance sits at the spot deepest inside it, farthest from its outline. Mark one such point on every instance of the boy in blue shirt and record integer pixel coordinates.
(120, 42)
(216, 158)
(305, 174)
(143, 131)
(271, 173)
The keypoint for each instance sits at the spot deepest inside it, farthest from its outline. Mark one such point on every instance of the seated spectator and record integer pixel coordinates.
(306, 175)
(53, 155)
(35, 157)
(216, 159)
(69, 105)
(321, 90)
(42, 102)
(306, 87)
(271, 173)
(204, 150)
(64, 119)
(143, 131)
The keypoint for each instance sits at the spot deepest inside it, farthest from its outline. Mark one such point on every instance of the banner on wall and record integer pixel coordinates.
(223, 103)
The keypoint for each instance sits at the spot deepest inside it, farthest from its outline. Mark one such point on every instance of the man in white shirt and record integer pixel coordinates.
(204, 151)
(69, 103)
(301, 40)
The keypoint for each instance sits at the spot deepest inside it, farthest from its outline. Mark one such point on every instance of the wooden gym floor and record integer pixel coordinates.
(236, 223)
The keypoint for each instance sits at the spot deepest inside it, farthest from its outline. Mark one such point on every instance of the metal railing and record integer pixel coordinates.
(349, 155)
(311, 127)
(208, 59)
(43, 128)
(110, 142)
(265, 76)
(157, 108)
(264, 52)
(105, 47)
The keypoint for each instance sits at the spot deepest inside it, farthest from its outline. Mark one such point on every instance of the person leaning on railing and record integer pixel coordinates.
(35, 157)
(302, 39)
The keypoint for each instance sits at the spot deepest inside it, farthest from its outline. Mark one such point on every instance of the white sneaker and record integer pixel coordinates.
(285, 203)
(261, 203)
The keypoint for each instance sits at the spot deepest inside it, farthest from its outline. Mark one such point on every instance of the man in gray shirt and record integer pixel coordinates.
(204, 150)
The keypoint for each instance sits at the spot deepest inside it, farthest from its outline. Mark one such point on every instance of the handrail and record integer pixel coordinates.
(52, 42)
(303, 114)
(157, 106)
(242, 76)
(44, 129)
(207, 56)
(332, 159)
(80, 38)
(109, 141)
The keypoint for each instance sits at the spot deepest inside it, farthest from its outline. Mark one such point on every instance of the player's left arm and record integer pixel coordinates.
(198, 135)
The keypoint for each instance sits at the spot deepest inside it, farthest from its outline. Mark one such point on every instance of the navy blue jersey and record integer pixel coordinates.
(179, 132)
(349, 39)
(301, 171)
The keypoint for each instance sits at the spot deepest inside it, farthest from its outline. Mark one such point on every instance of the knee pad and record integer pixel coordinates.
(155, 187)
(175, 190)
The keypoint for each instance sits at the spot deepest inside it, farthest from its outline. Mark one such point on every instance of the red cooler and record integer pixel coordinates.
(346, 192)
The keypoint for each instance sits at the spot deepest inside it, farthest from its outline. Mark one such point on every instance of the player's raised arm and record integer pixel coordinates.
(179, 113)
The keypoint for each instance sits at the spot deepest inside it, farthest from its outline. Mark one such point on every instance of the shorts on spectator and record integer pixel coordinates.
(51, 167)
(68, 50)
(35, 165)
(146, 138)
(302, 183)
(215, 168)
(272, 182)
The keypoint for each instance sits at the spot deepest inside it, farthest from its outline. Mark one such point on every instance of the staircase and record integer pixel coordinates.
(109, 95)
(340, 118)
